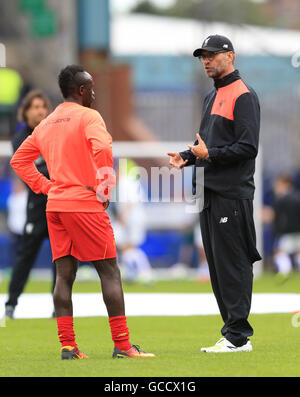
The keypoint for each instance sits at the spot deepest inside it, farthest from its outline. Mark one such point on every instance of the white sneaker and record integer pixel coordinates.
(224, 346)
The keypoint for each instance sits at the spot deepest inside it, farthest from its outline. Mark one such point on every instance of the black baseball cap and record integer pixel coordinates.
(214, 43)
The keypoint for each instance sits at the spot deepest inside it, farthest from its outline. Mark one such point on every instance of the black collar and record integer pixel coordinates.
(228, 79)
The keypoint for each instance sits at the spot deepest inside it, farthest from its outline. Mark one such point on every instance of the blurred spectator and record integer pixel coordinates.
(191, 239)
(286, 225)
(203, 271)
(34, 108)
(16, 208)
(180, 269)
(11, 85)
(129, 224)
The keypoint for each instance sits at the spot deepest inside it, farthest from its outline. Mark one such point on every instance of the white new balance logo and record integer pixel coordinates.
(223, 220)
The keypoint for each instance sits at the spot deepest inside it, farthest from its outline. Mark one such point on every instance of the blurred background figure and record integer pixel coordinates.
(150, 91)
(16, 209)
(129, 224)
(202, 270)
(192, 262)
(286, 225)
(34, 108)
(181, 269)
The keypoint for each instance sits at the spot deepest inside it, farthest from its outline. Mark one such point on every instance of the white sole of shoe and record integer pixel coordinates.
(244, 348)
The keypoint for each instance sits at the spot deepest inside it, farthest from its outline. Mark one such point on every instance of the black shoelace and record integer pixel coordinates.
(137, 347)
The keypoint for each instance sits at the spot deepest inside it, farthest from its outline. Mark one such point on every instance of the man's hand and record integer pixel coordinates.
(102, 199)
(176, 160)
(200, 150)
(106, 204)
(105, 187)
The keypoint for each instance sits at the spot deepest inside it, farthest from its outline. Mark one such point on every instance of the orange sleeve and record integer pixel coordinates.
(23, 164)
(99, 139)
(101, 144)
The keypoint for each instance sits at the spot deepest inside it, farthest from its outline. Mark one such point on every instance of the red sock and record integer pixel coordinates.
(65, 331)
(119, 332)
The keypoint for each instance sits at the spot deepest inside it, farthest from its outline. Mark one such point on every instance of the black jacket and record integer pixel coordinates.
(230, 129)
(36, 204)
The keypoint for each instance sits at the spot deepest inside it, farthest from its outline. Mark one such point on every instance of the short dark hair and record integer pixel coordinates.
(27, 102)
(285, 178)
(67, 81)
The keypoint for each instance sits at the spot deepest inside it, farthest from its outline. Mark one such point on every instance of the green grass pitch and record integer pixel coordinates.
(267, 283)
(31, 347)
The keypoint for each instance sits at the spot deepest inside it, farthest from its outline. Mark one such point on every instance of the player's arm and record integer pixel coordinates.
(101, 145)
(100, 140)
(188, 156)
(23, 164)
(246, 130)
(18, 139)
(182, 159)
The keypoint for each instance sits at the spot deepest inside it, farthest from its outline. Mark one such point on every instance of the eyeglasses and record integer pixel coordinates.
(210, 56)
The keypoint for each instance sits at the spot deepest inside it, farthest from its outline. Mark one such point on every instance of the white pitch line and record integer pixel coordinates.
(150, 304)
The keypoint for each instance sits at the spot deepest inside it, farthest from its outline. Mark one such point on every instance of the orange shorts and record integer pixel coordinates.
(86, 236)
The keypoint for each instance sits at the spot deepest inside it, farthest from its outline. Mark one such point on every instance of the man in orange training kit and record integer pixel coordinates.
(77, 149)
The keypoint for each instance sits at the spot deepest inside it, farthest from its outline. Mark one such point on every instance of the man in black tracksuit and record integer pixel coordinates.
(226, 147)
(35, 108)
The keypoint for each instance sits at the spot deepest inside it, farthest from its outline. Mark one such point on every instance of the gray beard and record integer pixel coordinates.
(216, 75)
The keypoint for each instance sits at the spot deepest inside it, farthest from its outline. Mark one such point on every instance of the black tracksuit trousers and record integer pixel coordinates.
(30, 244)
(229, 241)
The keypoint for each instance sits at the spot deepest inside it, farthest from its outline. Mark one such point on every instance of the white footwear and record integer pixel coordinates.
(224, 346)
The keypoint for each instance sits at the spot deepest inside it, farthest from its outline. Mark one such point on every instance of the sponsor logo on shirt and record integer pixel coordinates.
(64, 120)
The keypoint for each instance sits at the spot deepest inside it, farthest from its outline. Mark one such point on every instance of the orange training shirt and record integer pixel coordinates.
(74, 142)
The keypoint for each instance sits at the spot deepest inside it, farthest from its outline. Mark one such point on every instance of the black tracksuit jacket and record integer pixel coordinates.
(230, 129)
(36, 204)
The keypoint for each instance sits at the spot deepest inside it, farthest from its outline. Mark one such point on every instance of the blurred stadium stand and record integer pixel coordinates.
(149, 61)
(166, 78)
